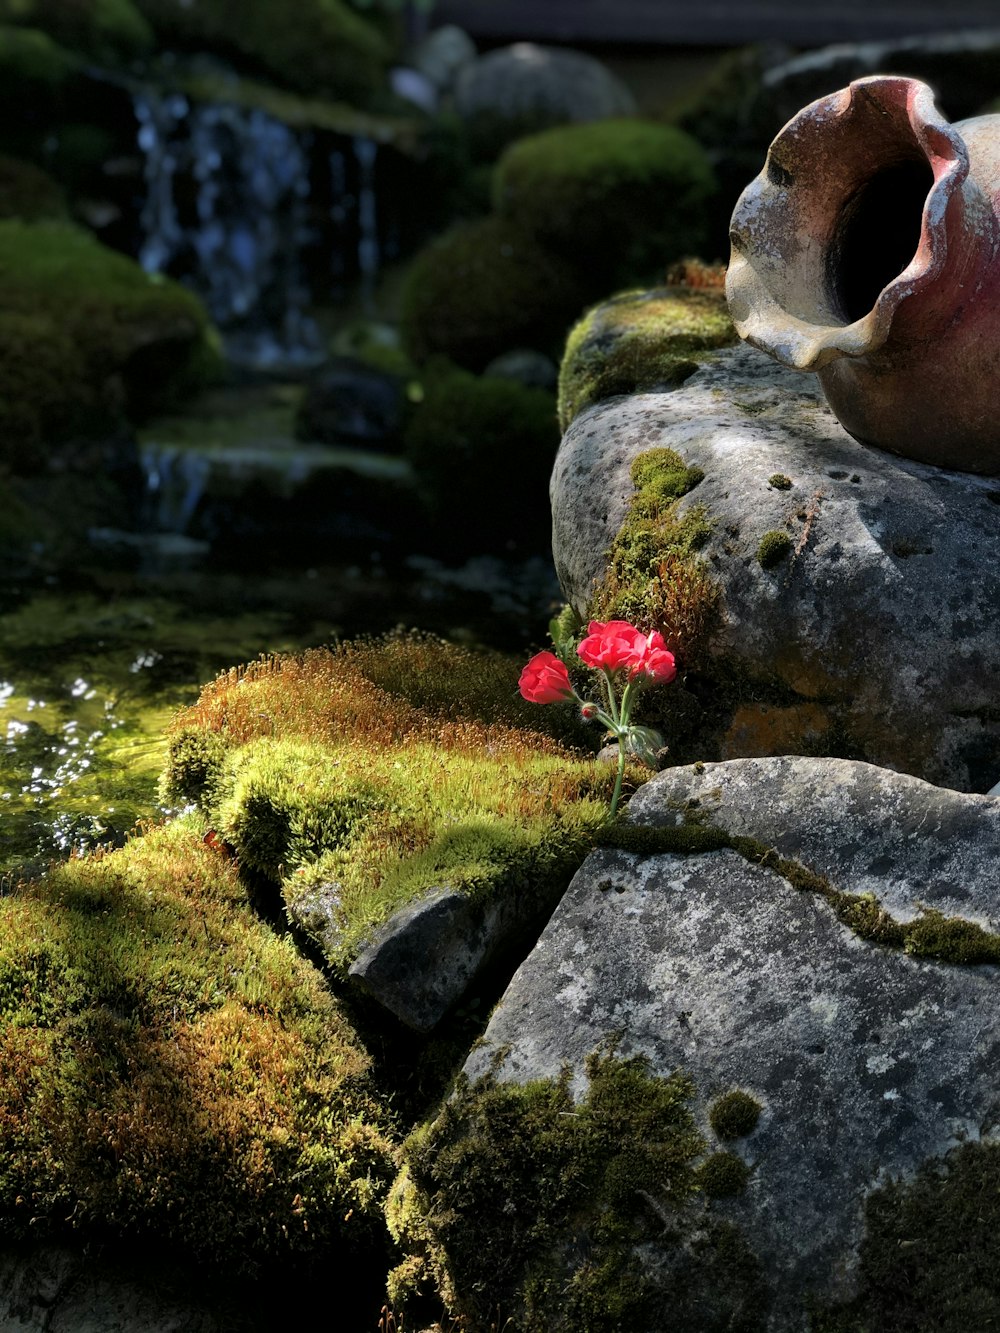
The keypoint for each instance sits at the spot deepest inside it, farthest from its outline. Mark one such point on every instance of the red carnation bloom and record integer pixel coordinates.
(545, 680)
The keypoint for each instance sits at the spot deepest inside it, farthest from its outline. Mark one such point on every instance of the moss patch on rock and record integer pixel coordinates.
(930, 1252)
(170, 1068)
(621, 199)
(521, 1203)
(484, 287)
(639, 342)
(655, 579)
(87, 338)
(734, 1115)
(772, 548)
(382, 771)
(325, 47)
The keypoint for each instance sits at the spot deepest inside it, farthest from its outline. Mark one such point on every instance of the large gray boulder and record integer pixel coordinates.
(866, 627)
(529, 85)
(867, 1061)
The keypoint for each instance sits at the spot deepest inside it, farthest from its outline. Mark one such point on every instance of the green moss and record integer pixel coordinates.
(483, 288)
(930, 1253)
(639, 342)
(108, 31)
(734, 1114)
(772, 548)
(654, 577)
(523, 1202)
(84, 333)
(952, 940)
(722, 1175)
(170, 1068)
(331, 782)
(327, 49)
(620, 198)
(482, 449)
(780, 482)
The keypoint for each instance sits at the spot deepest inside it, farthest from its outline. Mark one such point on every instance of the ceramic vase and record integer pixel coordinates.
(868, 250)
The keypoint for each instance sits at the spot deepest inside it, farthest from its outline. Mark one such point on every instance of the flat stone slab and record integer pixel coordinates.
(875, 634)
(867, 1062)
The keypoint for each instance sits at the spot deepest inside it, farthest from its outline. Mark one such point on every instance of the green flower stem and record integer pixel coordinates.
(618, 780)
(621, 720)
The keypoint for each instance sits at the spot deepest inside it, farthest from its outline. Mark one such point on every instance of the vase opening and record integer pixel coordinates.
(877, 235)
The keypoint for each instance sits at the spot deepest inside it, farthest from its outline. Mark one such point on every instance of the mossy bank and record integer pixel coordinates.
(373, 773)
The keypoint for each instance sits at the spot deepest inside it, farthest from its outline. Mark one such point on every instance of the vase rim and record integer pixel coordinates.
(807, 339)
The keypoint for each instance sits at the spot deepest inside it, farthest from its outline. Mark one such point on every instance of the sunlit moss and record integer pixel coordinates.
(384, 769)
(640, 341)
(169, 1065)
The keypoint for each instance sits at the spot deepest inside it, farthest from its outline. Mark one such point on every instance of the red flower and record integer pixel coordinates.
(616, 645)
(545, 680)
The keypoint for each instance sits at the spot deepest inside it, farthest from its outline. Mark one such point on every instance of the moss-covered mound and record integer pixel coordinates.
(170, 1068)
(321, 46)
(28, 193)
(86, 337)
(521, 1204)
(621, 199)
(637, 342)
(385, 770)
(482, 449)
(484, 287)
(108, 31)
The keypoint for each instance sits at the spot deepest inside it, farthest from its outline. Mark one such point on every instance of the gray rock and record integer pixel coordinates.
(877, 630)
(544, 84)
(427, 955)
(441, 55)
(55, 1289)
(522, 365)
(866, 829)
(867, 1062)
(350, 403)
(962, 67)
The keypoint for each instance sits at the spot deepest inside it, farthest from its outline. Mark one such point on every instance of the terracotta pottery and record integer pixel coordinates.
(868, 250)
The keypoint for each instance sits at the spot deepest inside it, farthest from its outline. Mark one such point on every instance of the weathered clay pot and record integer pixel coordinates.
(868, 250)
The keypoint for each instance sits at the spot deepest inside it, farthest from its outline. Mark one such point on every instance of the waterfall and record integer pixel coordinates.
(227, 212)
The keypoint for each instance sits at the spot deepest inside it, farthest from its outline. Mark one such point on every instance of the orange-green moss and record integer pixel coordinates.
(384, 770)
(639, 342)
(170, 1068)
